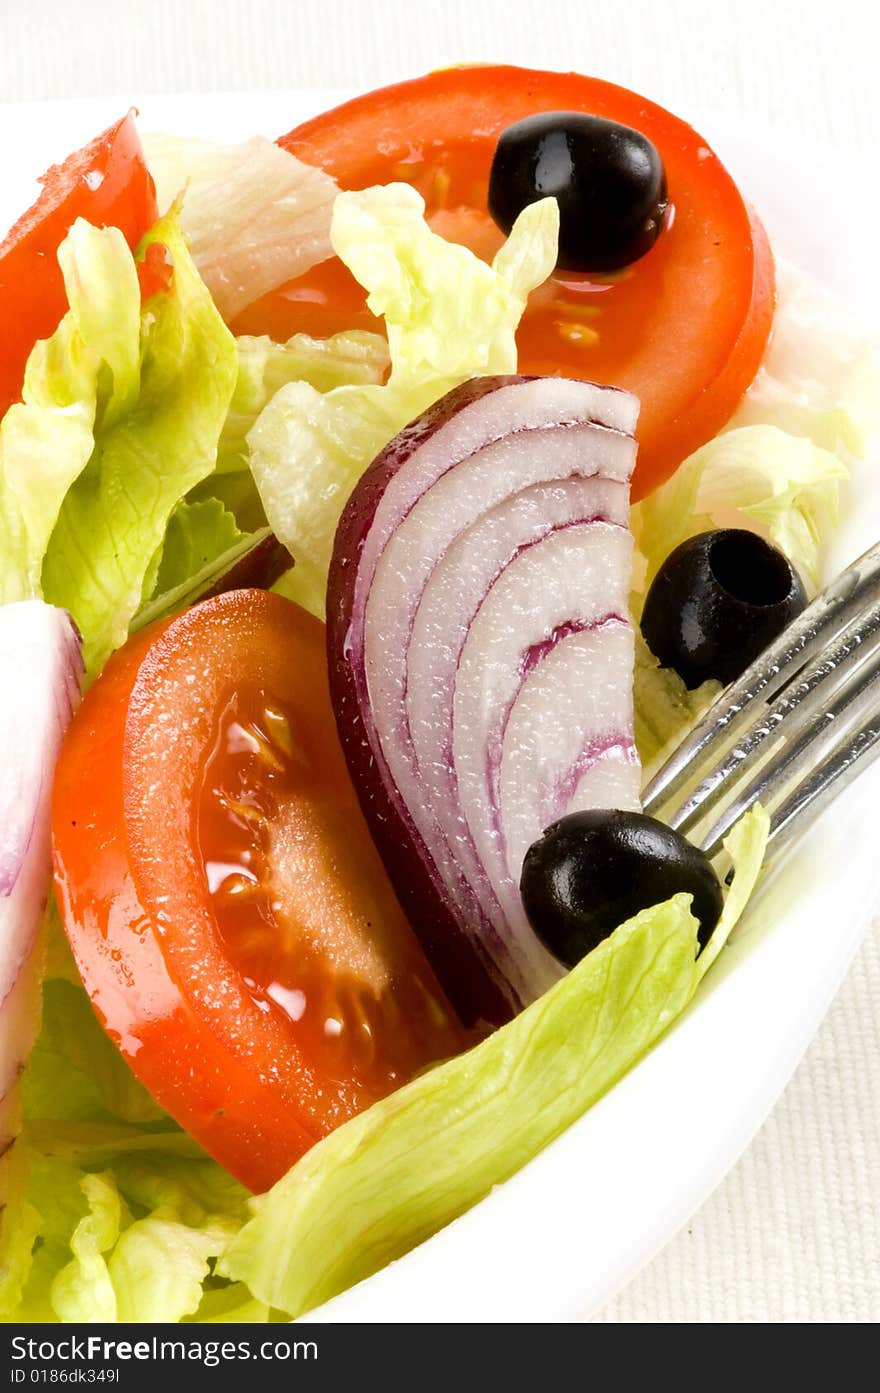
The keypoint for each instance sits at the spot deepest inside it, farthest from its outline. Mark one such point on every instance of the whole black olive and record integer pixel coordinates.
(592, 871)
(716, 603)
(608, 180)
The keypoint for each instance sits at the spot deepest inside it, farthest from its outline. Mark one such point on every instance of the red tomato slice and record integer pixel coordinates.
(684, 328)
(108, 184)
(229, 914)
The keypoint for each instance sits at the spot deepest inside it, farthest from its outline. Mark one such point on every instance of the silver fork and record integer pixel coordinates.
(793, 731)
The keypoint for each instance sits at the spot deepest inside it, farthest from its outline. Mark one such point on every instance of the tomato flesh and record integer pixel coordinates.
(684, 328)
(108, 184)
(228, 912)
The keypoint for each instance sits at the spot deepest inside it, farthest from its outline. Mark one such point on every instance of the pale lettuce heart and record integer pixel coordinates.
(759, 477)
(821, 374)
(254, 214)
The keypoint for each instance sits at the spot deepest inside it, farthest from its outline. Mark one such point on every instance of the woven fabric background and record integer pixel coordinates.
(793, 1234)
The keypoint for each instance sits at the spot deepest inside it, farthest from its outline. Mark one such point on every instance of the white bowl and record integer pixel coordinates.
(557, 1240)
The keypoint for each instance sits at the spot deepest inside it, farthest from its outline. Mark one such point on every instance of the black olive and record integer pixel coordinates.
(716, 603)
(608, 180)
(592, 871)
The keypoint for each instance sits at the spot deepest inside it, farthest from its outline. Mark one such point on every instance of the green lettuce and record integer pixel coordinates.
(113, 1213)
(133, 1240)
(125, 489)
(663, 708)
(114, 517)
(87, 371)
(448, 316)
(353, 358)
(121, 414)
(412, 1163)
(759, 477)
(202, 543)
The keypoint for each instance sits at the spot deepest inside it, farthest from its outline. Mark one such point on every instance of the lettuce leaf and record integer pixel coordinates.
(98, 1086)
(448, 316)
(113, 1213)
(114, 517)
(83, 1285)
(254, 214)
(196, 535)
(393, 1176)
(354, 358)
(821, 375)
(350, 358)
(88, 371)
(758, 477)
(663, 708)
(132, 1242)
(124, 479)
(121, 417)
(202, 544)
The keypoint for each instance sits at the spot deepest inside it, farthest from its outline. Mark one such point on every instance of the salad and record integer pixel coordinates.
(377, 506)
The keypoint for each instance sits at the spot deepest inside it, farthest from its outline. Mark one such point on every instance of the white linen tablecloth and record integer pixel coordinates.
(793, 1233)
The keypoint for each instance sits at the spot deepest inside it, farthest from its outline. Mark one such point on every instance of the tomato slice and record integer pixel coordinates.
(684, 328)
(108, 184)
(229, 914)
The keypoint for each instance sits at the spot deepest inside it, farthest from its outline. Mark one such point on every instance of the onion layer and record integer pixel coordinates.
(481, 658)
(40, 671)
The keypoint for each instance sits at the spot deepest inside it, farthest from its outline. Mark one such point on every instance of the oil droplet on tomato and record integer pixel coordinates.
(313, 964)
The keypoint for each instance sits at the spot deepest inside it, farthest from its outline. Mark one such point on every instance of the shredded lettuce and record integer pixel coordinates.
(124, 480)
(755, 476)
(121, 416)
(778, 468)
(663, 708)
(88, 368)
(113, 1213)
(391, 1177)
(448, 316)
(354, 358)
(129, 476)
(114, 517)
(255, 215)
(821, 376)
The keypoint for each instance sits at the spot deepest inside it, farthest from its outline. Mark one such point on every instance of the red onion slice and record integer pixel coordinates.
(40, 672)
(481, 657)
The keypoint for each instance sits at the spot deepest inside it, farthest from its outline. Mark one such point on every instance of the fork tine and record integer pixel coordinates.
(813, 795)
(804, 750)
(843, 667)
(839, 605)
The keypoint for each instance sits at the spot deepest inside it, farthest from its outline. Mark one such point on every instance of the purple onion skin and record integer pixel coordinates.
(258, 569)
(478, 997)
